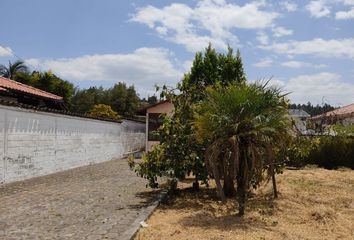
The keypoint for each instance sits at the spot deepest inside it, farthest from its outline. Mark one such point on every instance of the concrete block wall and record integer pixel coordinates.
(38, 143)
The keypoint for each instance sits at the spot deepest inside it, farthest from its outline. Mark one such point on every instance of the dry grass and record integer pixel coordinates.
(312, 204)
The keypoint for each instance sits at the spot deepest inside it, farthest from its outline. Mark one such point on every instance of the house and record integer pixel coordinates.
(154, 119)
(343, 116)
(19, 94)
(299, 118)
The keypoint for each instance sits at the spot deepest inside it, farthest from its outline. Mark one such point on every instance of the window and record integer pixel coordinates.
(155, 121)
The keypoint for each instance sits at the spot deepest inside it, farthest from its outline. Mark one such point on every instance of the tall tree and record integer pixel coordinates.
(131, 102)
(179, 153)
(12, 69)
(152, 100)
(118, 96)
(245, 124)
(84, 100)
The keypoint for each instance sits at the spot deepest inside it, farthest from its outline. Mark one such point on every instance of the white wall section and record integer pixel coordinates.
(36, 143)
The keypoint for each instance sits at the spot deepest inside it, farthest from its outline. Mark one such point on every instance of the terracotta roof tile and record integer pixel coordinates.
(6, 83)
(343, 111)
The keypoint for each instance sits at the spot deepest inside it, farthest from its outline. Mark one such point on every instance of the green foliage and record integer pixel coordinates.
(45, 81)
(49, 82)
(299, 149)
(212, 68)
(246, 124)
(103, 111)
(152, 100)
(179, 153)
(121, 98)
(342, 130)
(84, 99)
(12, 69)
(329, 152)
(333, 152)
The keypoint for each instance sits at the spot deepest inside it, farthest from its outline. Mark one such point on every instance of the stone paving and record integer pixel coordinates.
(100, 201)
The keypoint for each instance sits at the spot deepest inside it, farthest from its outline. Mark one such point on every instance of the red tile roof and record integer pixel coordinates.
(343, 111)
(6, 83)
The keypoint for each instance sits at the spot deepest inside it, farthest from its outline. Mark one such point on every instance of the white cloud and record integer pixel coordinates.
(266, 62)
(289, 6)
(345, 14)
(318, 9)
(280, 31)
(262, 38)
(298, 64)
(5, 52)
(209, 21)
(347, 2)
(315, 87)
(144, 68)
(318, 47)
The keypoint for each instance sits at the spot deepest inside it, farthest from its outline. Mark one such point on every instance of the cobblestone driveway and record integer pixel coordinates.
(94, 202)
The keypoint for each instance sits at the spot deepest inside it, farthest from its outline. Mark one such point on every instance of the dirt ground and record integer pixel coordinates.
(312, 204)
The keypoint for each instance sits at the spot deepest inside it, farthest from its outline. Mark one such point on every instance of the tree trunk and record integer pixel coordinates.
(241, 201)
(219, 190)
(196, 184)
(272, 170)
(229, 186)
(242, 183)
(275, 192)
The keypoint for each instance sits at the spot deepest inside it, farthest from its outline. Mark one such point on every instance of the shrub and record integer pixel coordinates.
(330, 152)
(333, 152)
(299, 150)
(103, 111)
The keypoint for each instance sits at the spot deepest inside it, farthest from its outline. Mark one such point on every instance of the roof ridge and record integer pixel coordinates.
(52, 95)
(25, 85)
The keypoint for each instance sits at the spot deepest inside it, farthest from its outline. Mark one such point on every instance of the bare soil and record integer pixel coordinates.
(312, 204)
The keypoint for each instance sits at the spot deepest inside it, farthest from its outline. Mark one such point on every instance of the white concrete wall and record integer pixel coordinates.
(37, 143)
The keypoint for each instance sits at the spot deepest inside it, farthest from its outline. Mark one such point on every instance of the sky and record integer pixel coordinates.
(306, 47)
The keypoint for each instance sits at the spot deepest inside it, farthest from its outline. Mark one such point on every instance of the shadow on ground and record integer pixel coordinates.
(145, 199)
(209, 212)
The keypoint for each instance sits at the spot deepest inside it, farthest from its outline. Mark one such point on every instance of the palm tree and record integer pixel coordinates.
(245, 124)
(12, 69)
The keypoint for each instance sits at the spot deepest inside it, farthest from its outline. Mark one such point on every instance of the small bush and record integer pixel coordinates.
(103, 111)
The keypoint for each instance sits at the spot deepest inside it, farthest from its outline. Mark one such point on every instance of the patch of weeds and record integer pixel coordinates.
(311, 166)
(323, 215)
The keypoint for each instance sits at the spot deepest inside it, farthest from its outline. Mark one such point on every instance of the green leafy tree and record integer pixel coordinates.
(179, 152)
(245, 124)
(103, 111)
(49, 82)
(152, 100)
(84, 99)
(121, 98)
(118, 96)
(12, 69)
(131, 101)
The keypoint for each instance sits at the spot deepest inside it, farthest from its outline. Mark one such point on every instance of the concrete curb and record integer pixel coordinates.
(131, 232)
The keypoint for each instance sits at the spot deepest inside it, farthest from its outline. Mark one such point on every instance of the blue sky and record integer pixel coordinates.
(306, 47)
